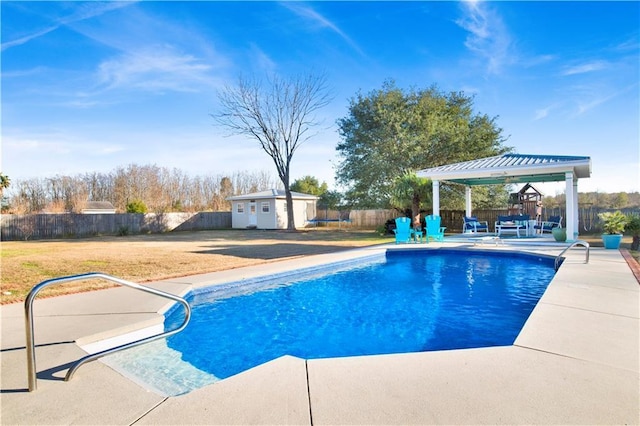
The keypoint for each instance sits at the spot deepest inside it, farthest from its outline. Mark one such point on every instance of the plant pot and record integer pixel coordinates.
(611, 241)
(559, 234)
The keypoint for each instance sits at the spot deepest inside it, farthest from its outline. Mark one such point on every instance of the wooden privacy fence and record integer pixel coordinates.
(66, 225)
(370, 219)
(47, 226)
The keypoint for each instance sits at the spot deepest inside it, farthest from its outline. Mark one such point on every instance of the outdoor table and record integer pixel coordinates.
(509, 227)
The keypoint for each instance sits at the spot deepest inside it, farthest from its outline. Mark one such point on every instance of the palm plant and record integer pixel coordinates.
(412, 191)
(4, 183)
(633, 226)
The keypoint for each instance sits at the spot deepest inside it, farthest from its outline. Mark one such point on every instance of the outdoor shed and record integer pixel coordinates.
(268, 209)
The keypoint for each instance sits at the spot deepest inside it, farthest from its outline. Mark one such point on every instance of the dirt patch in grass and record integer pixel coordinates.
(143, 258)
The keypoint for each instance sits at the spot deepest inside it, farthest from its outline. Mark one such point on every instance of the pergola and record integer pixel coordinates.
(515, 168)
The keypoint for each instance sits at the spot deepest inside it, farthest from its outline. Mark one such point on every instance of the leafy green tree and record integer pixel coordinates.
(619, 200)
(309, 185)
(5, 182)
(136, 206)
(487, 197)
(330, 200)
(391, 131)
(411, 192)
(278, 115)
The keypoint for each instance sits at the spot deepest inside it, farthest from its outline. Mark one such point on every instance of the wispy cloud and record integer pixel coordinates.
(24, 73)
(488, 37)
(535, 61)
(56, 143)
(27, 38)
(310, 14)
(84, 11)
(544, 112)
(261, 59)
(155, 69)
(597, 100)
(631, 44)
(585, 68)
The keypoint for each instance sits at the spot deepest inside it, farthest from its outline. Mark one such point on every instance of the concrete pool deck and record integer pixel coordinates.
(576, 361)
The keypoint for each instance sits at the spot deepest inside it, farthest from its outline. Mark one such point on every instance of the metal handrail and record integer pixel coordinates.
(28, 308)
(575, 243)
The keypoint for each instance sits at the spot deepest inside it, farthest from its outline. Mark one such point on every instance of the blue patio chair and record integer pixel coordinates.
(435, 232)
(472, 224)
(549, 224)
(403, 230)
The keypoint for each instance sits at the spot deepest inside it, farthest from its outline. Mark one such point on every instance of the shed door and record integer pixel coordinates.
(253, 216)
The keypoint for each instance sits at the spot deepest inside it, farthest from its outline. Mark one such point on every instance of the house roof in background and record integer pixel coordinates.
(99, 205)
(511, 168)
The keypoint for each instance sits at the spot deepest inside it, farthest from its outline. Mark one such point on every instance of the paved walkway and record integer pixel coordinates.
(575, 362)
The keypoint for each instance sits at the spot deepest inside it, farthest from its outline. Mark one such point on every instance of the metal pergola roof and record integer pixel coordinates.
(511, 168)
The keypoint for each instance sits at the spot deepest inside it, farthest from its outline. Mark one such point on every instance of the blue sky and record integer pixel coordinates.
(92, 86)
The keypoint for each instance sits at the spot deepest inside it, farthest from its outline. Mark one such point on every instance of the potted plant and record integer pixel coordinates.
(613, 224)
(559, 234)
(633, 227)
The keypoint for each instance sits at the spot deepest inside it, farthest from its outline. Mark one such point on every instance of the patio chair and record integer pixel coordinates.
(472, 224)
(435, 232)
(549, 224)
(403, 230)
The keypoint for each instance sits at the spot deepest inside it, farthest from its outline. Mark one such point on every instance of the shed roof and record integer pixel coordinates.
(99, 205)
(271, 194)
(511, 168)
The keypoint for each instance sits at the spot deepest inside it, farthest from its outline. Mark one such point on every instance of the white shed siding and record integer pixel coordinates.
(239, 220)
(271, 212)
(266, 220)
(299, 213)
(281, 214)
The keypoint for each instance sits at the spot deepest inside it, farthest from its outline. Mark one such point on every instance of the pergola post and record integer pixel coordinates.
(467, 200)
(436, 197)
(576, 208)
(571, 206)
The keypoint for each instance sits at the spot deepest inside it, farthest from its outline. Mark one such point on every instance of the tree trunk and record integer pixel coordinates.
(635, 243)
(291, 223)
(415, 211)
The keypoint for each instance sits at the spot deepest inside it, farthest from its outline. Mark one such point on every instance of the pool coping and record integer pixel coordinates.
(576, 361)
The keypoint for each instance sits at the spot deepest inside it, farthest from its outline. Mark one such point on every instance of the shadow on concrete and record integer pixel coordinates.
(272, 251)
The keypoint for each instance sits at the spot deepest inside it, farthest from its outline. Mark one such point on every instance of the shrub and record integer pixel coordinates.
(613, 222)
(136, 206)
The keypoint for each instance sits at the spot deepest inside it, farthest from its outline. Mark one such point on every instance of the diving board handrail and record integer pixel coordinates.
(573, 244)
(28, 308)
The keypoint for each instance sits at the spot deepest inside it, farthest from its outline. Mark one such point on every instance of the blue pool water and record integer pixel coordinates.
(406, 301)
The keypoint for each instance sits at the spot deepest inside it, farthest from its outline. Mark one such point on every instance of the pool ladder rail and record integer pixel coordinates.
(585, 244)
(28, 308)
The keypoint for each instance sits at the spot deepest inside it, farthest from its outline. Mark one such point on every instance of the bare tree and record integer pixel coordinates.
(278, 115)
(160, 189)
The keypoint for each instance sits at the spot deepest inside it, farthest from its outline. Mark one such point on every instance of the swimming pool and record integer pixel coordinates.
(402, 301)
